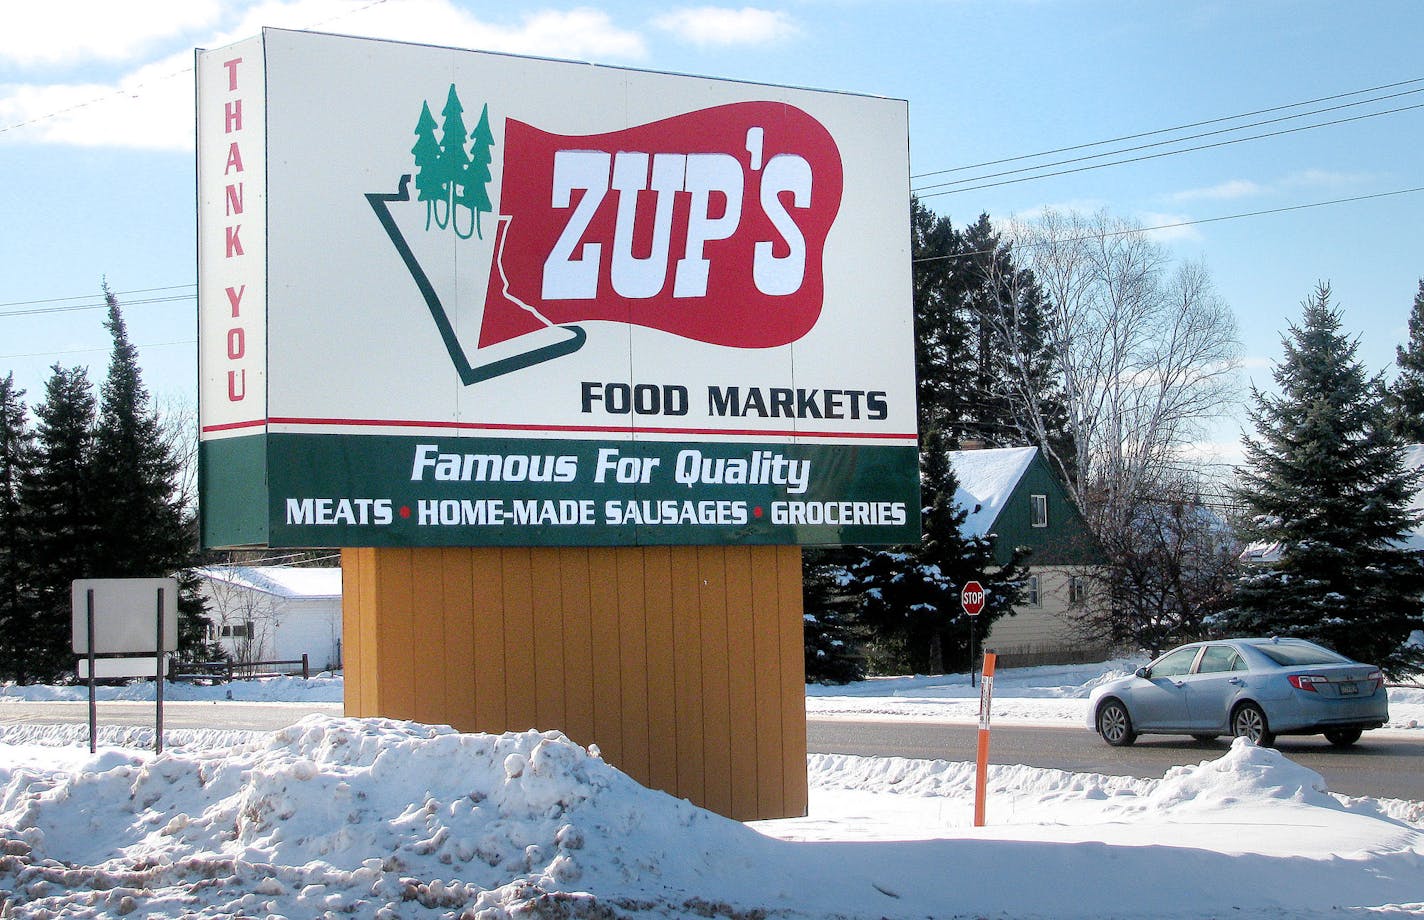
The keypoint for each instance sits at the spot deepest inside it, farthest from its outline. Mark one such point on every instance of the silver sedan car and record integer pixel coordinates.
(1252, 688)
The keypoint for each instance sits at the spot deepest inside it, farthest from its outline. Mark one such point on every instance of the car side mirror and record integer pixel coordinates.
(1142, 673)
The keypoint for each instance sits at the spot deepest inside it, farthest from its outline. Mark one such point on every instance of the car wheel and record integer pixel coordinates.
(1115, 725)
(1204, 739)
(1250, 722)
(1342, 737)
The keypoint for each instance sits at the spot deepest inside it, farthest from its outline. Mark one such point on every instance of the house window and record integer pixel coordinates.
(241, 630)
(1077, 589)
(1032, 597)
(1038, 510)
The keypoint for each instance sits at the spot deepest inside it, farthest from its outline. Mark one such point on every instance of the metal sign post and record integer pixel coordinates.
(111, 628)
(93, 701)
(158, 679)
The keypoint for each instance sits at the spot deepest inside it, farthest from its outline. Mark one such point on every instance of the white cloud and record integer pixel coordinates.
(152, 107)
(1322, 178)
(1233, 189)
(1223, 191)
(62, 32)
(711, 25)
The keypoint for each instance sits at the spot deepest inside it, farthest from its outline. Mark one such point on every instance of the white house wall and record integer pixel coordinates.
(310, 627)
(1045, 633)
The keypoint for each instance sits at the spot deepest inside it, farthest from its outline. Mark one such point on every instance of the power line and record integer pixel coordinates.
(80, 351)
(1195, 124)
(26, 303)
(957, 255)
(79, 307)
(1168, 153)
(1184, 223)
(1190, 137)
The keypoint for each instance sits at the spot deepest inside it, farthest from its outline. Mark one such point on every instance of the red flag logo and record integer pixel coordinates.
(710, 225)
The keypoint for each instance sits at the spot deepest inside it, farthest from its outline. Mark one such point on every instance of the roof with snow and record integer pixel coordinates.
(986, 480)
(996, 486)
(291, 582)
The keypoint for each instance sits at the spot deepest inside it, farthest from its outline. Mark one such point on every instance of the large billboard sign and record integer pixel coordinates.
(456, 298)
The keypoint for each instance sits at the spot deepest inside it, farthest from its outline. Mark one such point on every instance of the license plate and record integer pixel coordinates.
(1349, 689)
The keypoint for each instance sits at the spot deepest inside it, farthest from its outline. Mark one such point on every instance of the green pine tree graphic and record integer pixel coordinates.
(475, 192)
(430, 187)
(448, 176)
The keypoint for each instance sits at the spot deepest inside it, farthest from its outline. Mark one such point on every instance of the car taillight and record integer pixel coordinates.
(1306, 682)
(1376, 678)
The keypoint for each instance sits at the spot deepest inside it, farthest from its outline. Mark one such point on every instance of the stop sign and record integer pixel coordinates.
(972, 598)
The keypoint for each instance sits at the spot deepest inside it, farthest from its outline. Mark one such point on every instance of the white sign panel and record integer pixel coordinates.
(450, 297)
(125, 615)
(121, 667)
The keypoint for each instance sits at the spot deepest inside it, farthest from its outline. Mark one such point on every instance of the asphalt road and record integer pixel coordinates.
(1384, 765)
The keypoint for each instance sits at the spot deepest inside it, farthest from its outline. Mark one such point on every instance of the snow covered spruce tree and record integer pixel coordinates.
(1406, 393)
(16, 460)
(1325, 482)
(144, 530)
(909, 596)
(832, 634)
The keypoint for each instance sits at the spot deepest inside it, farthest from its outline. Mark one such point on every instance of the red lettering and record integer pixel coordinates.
(236, 343)
(234, 159)
(234, 242)
(232, 116)
(236, 385)
(232, 73)
(234, 199)
(234, 298)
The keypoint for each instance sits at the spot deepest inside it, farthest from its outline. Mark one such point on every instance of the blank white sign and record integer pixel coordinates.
(125, 615)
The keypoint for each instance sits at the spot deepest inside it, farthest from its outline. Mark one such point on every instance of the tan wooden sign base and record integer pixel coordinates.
(684, 664)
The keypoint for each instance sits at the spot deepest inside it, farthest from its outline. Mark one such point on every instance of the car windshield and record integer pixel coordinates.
(1293, 654)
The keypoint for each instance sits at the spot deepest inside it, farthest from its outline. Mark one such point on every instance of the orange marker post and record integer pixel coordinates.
(981, 773)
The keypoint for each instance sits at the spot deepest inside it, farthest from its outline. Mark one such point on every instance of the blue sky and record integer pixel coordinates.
(96, 161)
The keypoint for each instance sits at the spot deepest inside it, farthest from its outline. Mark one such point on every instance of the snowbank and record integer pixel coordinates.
(370, 817)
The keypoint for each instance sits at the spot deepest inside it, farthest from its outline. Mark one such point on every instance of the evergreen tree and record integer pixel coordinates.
(832, 636)
(454, 160)
(57, 499)
(475, 192)
(941, 338)
(909, 596)
(1406, 394)
(1011, 367)
(982, 357)
(144, 529)
(16, 462)
(430, 184)
(1326, 482)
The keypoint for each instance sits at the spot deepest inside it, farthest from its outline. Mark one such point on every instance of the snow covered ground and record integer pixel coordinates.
(376, 818)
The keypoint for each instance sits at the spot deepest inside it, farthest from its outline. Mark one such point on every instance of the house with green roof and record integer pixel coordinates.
(1013, 494)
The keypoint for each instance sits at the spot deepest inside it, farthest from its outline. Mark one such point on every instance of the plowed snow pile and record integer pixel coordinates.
(375, 818)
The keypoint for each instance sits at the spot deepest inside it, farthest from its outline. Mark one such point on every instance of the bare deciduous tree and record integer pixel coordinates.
(1146, 354)
(245, 620)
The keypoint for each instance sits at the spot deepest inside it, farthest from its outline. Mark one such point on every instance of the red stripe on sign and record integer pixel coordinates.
(230, 426)
(588, 429)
